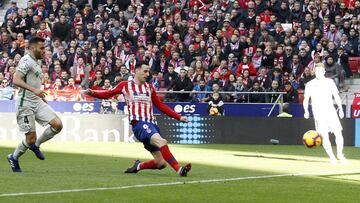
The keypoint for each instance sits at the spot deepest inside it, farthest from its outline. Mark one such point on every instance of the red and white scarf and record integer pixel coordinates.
(80, 73)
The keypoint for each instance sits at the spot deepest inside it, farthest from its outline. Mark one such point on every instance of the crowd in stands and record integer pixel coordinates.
(203, 45)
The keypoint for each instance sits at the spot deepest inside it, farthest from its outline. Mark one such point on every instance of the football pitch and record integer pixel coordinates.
(93, 172)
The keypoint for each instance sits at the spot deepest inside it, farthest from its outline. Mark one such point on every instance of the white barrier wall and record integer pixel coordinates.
(77, 127)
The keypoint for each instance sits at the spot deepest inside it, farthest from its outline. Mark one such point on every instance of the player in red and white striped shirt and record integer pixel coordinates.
(140, 97)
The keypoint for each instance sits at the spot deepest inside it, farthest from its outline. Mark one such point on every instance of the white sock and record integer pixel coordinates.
(327, 146)
(339, 139)
(47, 135)
(20, 149)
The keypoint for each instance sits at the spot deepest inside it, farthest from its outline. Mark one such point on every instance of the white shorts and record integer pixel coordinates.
(329, 123)
(26, 116)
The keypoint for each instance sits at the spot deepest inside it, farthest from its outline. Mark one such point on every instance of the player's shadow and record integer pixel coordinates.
(279, 158)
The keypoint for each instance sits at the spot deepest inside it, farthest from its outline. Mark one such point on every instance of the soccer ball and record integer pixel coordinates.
(213, 111)
(312, 139)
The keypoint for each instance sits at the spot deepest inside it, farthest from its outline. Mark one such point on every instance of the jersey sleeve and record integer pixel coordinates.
(308, 89)
(106, 94)
(163, 107)
(23, 67)
(334, 89)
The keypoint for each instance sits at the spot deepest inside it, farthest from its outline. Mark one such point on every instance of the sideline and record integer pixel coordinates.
(321, 173)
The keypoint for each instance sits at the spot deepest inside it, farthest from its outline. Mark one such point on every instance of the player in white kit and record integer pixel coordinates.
(321, 91)
(31, 105)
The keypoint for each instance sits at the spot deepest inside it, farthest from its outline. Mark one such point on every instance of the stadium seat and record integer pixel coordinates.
(354, 64)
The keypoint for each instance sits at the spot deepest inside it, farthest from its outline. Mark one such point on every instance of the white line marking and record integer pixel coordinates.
(181, 183)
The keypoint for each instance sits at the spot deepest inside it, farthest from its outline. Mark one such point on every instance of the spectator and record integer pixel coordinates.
(198, 67)
(257, 59)
(294, 83)
(6, 91)
(108, 75)
(235, 46)
(124, 73)
(230, 87)
(14, 50)
(224, 75)
(216, 102)
(263, 79)
(130, 63)
(107, 84)
(272, 98)
(57, 85)
(276, 75)
(201, 97)
(232, 63)
(296, 67)
(170, 76)
(240, 87)
(216, 80)
(343, 61)
(61, 29)
(10, 74)
(265, 37)
(291, 95)
(98, 82)
(256, 98)
(155, 81)
(160, 65)
(248, 82)
(304, 58)
(64, 78)
(245, 65)
(268, 58)
(12, 9)
(71, 85)
(182, 83)
(46, 82)
(56, 73)
(333, 34)
(285, 111)
(305, 78)
(117, 80)
(333, 71)
(81, 73)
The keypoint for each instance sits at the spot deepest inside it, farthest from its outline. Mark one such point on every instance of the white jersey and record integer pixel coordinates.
(321, 93)
(31, 68)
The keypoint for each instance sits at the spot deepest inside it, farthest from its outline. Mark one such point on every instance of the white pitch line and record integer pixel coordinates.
(180, 183)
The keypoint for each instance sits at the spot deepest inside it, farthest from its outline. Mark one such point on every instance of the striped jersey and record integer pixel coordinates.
(139, 99)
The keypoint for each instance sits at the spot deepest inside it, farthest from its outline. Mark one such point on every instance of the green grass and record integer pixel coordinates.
(93, 165)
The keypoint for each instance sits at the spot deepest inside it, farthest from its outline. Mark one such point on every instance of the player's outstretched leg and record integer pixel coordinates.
(160, 142)
(327, 147)
(133, 168)
(157, 163)
(54, 128)
(339, 139)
